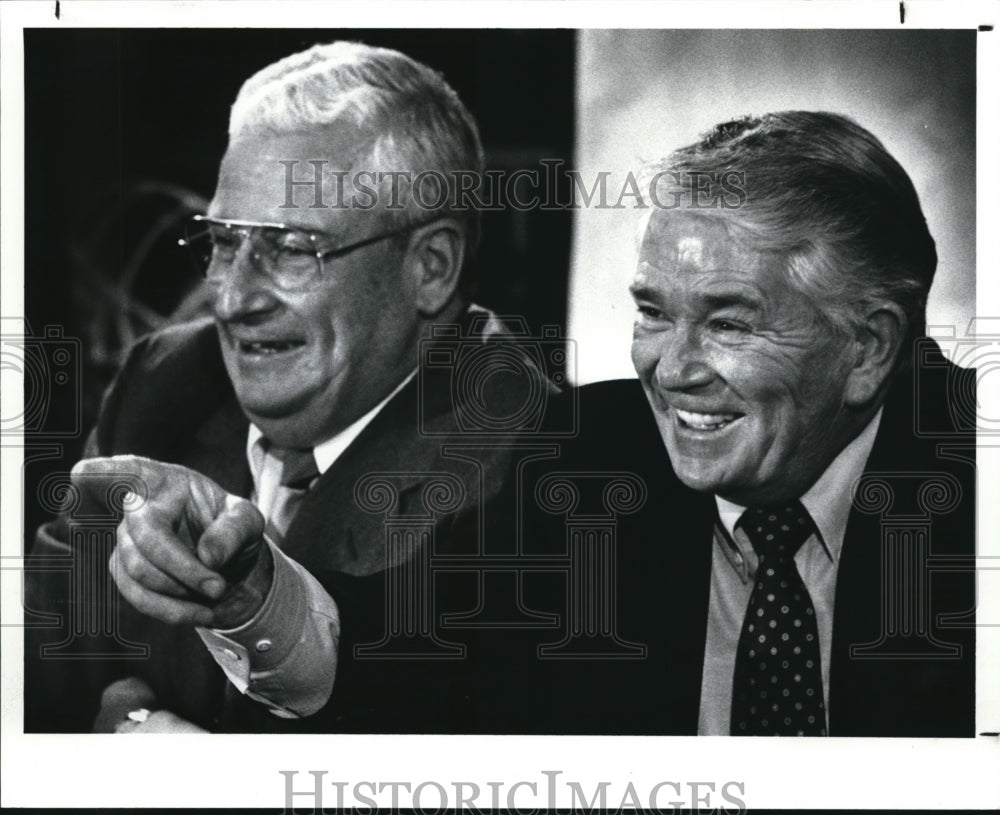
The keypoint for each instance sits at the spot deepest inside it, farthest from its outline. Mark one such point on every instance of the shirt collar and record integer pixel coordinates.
(328, 451)
(829, 500)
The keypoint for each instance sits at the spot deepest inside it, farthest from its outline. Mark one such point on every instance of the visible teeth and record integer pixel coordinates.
(269, 347)
(705, 421)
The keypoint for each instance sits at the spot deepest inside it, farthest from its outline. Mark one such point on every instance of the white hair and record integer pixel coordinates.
(421, 124)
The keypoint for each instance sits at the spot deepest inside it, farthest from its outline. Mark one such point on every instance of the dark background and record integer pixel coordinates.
(124, 130)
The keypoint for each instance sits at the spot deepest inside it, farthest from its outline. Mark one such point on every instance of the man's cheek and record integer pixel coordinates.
(757, 379)
(643, 360)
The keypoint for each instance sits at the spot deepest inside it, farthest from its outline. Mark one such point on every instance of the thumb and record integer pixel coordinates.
(233, 538)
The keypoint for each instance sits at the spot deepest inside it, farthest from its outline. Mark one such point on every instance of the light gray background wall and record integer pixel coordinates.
(644, 93)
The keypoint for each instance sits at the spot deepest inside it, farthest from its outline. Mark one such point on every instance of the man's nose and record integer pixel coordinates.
(242, 288)
(684, 361)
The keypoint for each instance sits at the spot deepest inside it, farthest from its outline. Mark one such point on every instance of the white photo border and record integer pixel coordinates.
(244, 771)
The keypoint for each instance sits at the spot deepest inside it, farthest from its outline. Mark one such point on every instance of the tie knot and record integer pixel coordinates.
(298, 467)
(777, 531)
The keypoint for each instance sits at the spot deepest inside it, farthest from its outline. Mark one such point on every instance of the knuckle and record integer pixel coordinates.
(146, 578)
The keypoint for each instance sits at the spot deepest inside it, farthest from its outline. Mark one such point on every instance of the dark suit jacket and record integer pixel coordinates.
(924, 460)
(173, 402)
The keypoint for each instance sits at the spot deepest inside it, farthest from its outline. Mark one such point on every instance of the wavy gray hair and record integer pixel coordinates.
(825, 194)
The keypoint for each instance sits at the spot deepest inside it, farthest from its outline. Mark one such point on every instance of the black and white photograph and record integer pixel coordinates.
(525, 406)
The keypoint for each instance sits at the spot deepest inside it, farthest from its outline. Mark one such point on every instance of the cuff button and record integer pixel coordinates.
(262, 646)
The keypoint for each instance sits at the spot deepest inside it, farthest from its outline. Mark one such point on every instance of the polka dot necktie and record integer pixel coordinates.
(777, 683)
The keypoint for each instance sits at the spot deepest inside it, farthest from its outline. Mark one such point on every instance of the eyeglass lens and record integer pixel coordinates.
(288, 257)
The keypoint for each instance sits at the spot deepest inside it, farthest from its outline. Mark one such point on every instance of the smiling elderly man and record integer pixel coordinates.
(801, 462)
(248, 435)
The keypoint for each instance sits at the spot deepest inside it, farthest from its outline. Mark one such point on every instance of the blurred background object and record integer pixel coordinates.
(124, 131)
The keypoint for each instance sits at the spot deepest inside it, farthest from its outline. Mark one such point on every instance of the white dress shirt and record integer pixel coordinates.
(285, 657)
(734, 564)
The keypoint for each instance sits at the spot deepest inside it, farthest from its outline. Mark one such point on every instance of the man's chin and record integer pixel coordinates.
(302, 423)
(271, 407)
(288, 431)
(275, 416)
(702, 476)
(743, 491)
(700, 481)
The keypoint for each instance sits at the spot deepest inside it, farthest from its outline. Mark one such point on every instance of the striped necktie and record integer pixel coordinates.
(298, 471)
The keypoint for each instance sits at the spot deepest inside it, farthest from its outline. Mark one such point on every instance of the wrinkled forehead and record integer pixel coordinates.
(297, 177)
(709, 254)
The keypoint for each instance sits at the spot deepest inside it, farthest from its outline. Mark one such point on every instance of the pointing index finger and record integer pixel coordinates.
(109, 482)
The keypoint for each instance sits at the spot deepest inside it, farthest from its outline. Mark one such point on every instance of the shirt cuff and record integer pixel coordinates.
(272, 632)
(285, 656)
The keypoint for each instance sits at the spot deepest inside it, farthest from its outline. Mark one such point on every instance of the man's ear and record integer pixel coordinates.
(435, 257)
(877, 346)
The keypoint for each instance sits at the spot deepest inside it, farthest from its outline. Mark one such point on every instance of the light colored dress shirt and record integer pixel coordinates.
(734, 564)
(285, 657)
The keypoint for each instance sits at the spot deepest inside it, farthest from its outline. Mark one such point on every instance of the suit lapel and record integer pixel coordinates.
(219, 449)
(664, 557)
(858, 616)
(891, 696)
(678, 532)
(687, 575)
(332, 529)
(857, 620)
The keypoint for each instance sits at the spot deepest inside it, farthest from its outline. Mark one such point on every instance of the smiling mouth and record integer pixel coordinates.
(706, 421)
(268, 347)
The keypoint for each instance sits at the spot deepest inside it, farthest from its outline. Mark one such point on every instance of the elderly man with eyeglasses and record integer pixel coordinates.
(248, 544)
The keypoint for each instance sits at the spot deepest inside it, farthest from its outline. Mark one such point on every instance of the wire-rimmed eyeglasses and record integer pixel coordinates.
(292, 258)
